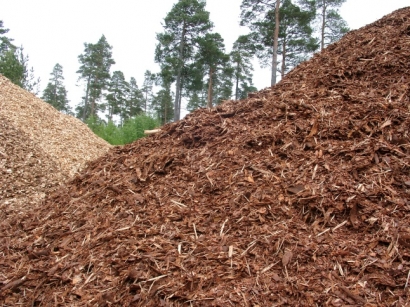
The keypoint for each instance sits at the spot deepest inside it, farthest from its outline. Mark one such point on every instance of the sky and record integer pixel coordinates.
(55, 32)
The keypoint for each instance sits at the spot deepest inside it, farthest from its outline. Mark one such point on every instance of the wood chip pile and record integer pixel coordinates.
(297, 196)
(26, 170)
(39, 147)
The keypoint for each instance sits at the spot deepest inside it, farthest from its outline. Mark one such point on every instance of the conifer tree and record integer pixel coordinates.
(118, 90)
(135, 100)
(161, 103)
(332, 26)
(255, 14)
(197, 100)
(211, 59)
(147, 87)
(223, 84)
(184, 24)
(14, 66)
(11, 67)
(95, 67)
(55, 92)
(295, 43)
(241, 58)
(5, 42)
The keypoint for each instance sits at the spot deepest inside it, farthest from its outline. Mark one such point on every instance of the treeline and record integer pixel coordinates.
(195, 68)
(14, 64)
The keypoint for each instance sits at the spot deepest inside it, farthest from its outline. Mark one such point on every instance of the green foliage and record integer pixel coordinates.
(211, 60)
(162, 105)
(5, 42)
(241, 57)
(55, 92)
(296, 41)
(183, 26)
(331, 25)
(147, 86)
(11, 68)
(131, 130)
(245, 89)
(95, 67)
(118, 90)
(197, 100)
(134, 101)
(222, 85)
(14, 64)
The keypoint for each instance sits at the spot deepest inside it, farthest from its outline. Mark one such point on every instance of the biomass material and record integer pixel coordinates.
(26, 170)
(40, 147)
(297, 196)
(67, 140)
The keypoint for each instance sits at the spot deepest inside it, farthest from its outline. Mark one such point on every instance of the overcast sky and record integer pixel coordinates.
(55, 31)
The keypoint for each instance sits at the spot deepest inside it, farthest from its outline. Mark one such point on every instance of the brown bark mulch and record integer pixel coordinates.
(296, 196)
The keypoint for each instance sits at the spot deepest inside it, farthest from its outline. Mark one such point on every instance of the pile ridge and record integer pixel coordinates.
(296, 196)
(37, 135)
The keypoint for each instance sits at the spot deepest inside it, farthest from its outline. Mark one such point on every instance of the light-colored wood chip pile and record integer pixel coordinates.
(40, 147)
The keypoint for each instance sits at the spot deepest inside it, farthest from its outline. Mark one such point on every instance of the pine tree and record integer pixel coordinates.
(211, 59)
(257, 14)
(11, 68)
(14, 66)
(5, 42)
(135, 100)
(332, 26)
(295, 42)
(95, 67)
(116, 97)
(184, 24)
(149, 80)
(55, 92)
(241, 58)
(223, 84)
(197, 100)
(30, 82)
(161, 103)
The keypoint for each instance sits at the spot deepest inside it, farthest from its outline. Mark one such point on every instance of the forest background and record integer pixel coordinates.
(141, 72)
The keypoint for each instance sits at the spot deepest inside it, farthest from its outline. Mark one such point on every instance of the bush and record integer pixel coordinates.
(130, 131)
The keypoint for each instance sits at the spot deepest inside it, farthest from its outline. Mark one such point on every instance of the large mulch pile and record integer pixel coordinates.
(40, 147)
(297, 196)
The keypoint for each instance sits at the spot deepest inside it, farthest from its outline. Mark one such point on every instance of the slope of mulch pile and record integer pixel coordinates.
(297, 196)
(40, 147)
(23, 165)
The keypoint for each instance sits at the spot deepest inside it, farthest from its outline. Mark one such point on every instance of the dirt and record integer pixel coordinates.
(296, 196)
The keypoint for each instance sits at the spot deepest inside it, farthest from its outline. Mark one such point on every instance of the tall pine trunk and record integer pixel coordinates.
(275, 44)
(282, 73)
(322, 43)
(177, 109)
(55, 93)
(93, 104)
(237, 82)
(87, 91)
(145, 104)
(210, 88)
